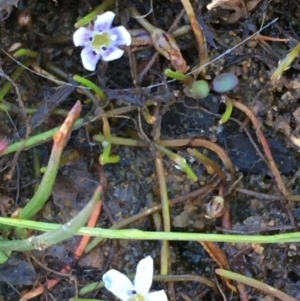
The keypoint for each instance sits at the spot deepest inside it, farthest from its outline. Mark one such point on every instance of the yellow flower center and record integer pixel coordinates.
(101, 39)
(137, 297)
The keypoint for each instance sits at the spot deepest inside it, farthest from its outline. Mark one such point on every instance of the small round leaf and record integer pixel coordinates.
(199, 89)
(224, 82)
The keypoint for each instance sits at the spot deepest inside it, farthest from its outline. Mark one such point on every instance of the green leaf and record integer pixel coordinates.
(199, 89)
(224, 82)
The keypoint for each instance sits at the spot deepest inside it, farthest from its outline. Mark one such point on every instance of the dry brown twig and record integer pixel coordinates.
(199, 35)
(163, 42)
(240, 7)
(271, 163)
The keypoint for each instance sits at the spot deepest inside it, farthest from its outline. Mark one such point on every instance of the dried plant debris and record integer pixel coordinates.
(240, 8)
(17, 272)
(6, 4)
(6, 7)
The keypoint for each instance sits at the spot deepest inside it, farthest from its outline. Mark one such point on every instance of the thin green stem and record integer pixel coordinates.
(165, 255)
(86, 82)
(135, 234)
(161, 278)
(37, 139)
(36, 166)
(26, 52)
(106, 157)
(15, 75)
(163, 195)
(207, 161)
(45, 136)
(117, 140)
(269, 290)
(229, 107)
(125, 222)
(58, 234)
(179, 161)
(5, 106)
(285, 63)
(186, 79)
(92, 15)
(45, 188)
(148, 117)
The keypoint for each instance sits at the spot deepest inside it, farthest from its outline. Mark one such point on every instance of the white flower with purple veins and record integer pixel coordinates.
(102, 42)
(121, 286)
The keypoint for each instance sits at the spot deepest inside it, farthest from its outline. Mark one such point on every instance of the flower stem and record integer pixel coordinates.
(229, 107)
(92, 15)
(91, 85)
(186, 79)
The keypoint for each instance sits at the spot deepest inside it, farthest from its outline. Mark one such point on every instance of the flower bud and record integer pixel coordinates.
(215, 208)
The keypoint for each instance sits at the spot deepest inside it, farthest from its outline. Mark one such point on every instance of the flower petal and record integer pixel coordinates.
(118, 284)
(90, 58)
(144, 276)
(110, 53)
(121, 34)
(82, 37)
(104, 21)
(157, 296)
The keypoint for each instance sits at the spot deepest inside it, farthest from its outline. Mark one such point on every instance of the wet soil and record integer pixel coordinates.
(132, 184)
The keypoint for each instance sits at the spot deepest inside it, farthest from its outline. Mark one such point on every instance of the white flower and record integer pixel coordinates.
(123, 288)
(101, 42)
